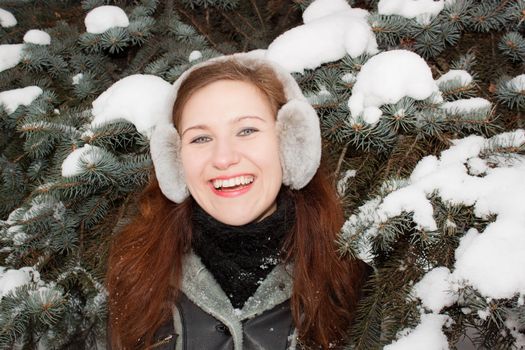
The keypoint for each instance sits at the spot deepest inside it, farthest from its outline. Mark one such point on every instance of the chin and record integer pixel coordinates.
(241, 217)
(233, 220)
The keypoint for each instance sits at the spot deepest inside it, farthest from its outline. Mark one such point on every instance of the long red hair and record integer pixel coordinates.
(145, 261)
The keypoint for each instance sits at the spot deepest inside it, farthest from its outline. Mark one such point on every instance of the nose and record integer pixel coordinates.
(225, 154)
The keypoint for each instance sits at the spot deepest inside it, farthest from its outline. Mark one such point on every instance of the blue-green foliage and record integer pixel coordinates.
(512, 45)
(220, 4)
(512, 93)
(487, 16)
(115, 40)
(430, 36)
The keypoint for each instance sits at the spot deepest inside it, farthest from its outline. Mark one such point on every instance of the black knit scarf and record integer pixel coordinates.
(240, 257)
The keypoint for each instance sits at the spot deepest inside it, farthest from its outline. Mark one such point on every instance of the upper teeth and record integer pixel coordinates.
(234, 181)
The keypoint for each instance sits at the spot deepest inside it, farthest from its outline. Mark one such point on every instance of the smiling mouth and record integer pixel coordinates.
(232, 184)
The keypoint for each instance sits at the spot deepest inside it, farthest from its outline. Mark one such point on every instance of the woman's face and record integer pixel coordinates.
(230, 151)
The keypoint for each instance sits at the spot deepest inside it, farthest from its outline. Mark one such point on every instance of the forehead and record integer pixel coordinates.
(225, 100)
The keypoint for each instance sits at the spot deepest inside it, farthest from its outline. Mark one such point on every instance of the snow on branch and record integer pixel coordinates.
(427, 335)
(410, 8)
(471, 173)
(12, 99)
(385, 79)
(10, 55)
(330, 31)
(485, 176)
(144, 100)
(38, 37)
(7, 19)
(102, 18)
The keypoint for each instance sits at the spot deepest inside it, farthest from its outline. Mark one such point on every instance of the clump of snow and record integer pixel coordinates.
(349, 78)
(12, 99)
(427, 335)
(195, 55)
(458, 75)
(10, 55)
(76, 79)
(400, 73)
(11, 279)
(72, 165)
(102, 18)
(517, 83)
(466, 310)
(490, 261)
(484, 314)
(477, 166)
(328, 34)
(434, 290)
(7, 19)
(424, 167)
(467, 105)
(410, 8)
(35, 36)
(410, 199)
(322, 8)
(144, 100)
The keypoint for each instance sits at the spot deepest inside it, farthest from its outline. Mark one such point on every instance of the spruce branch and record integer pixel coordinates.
(409, 155)
(366, 331)
(246, 21)
(256, 8)
(340, 161)
(512, 44)
(199, 28)
(235, 26)
(511, 94)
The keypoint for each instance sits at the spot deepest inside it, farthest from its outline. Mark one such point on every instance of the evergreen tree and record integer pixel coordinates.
(56, 224)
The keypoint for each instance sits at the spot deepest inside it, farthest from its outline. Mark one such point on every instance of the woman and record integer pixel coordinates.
(233, 246)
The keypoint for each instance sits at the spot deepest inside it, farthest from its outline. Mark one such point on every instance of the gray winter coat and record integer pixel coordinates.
(204, 317)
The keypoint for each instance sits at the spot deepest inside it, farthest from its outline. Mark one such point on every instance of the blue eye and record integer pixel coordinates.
(247, 131)
(200, 139)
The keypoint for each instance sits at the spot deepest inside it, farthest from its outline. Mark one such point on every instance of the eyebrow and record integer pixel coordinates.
(200, 126)
(236, 120)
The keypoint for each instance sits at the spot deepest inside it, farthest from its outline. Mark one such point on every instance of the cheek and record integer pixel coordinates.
(190, 166)
(271, 160)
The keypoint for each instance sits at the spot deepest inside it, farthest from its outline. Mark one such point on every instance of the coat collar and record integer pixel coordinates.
(201, 288)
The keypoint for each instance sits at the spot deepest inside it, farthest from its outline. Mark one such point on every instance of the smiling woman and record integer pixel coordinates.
(234, 243)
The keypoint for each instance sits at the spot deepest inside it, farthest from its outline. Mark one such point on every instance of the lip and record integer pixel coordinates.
(233, 193)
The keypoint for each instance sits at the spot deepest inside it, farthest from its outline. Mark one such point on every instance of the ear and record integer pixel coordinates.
(299, 141)
(165, 153)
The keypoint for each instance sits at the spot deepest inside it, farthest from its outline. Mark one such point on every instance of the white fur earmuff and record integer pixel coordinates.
(297, 126)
